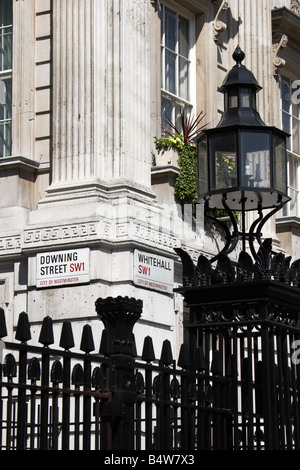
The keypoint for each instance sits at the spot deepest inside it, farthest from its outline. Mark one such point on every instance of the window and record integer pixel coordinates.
(176, 63)
(5, 76)
(291, 124)
(290, 115)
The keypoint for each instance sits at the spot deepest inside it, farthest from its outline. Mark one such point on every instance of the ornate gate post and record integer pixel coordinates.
(119, 316)
(250, 312)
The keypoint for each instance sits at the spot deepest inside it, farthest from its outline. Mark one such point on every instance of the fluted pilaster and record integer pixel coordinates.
(252, 29)
(101, 98)
(73, 90)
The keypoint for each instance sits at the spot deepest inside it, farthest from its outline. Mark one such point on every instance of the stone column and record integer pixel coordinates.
(72, 91)
(252, 30)
(101, 99)
(23, 115)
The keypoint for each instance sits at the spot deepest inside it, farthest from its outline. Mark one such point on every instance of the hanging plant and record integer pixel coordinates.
(186, 187)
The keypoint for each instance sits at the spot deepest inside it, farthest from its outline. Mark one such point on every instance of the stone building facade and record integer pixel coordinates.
(87, 206)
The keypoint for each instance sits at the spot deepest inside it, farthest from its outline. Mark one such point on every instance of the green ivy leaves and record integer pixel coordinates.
(186, 188)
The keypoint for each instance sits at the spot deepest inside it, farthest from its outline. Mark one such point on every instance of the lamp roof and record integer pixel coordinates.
(239, 74)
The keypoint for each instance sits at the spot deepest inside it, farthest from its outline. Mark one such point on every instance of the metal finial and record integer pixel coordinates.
(238, 56)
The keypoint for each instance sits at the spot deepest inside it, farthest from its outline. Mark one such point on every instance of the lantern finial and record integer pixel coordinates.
(238, 56)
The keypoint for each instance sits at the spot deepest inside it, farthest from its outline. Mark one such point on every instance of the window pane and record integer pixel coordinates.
(295, 135)
(5, 139)
(293, 205)
(6, 49)
(286, 123)
(293, 170)
(295, 110)
(178, 109)
(170, 72)
(293, 185)
(183, 36)
(5, 98)
(175, 64)
(166, 112)
(286, 96)
(183, 79)
(279, 164)
(5, 79)
(5, 12)
(170, 29)
(5, 34)
(286, 126)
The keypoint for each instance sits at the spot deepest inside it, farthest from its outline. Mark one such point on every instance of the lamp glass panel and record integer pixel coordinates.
(280, 165)
(245, 97)
(223, 161)
(255, 168)
(233, 98)
(253, 99)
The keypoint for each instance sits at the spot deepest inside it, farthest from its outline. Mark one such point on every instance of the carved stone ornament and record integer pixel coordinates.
(295, 7)
(156, 4)
(279, 41)
(220, 26)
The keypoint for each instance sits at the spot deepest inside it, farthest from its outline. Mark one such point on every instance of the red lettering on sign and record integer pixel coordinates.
(76, 267)
(144, 270)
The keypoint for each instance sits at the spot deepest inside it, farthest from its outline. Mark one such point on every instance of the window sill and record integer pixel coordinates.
(18, 163)
(287, 223)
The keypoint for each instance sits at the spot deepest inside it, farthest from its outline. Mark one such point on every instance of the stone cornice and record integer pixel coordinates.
(286, 22)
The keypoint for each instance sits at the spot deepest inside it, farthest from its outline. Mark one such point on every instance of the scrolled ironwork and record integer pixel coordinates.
(34, 369)
(175, 390)
(139, 383)
(77, 375)
(10, 367)
(97, 378)
(156, 386)
(56, 373)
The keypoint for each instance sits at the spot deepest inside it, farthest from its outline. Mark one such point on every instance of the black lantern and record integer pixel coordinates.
(242, 162)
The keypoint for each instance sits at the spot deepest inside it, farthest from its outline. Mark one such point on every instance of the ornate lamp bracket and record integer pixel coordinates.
(236, 235)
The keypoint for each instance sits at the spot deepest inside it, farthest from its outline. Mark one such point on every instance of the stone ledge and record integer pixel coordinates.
(19, 162)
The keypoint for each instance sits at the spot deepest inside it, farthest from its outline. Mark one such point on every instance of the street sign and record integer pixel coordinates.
(59, 268)
(153, 271)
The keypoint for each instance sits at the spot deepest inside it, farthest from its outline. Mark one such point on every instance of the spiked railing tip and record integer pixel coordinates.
(23, 328)
(66, 339)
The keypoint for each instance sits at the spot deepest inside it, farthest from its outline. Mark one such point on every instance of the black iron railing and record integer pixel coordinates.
(236, 385)
(58, 399)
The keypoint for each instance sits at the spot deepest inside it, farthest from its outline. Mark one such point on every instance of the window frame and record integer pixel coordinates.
(6, 74)
(291, 209)
(178, 102)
